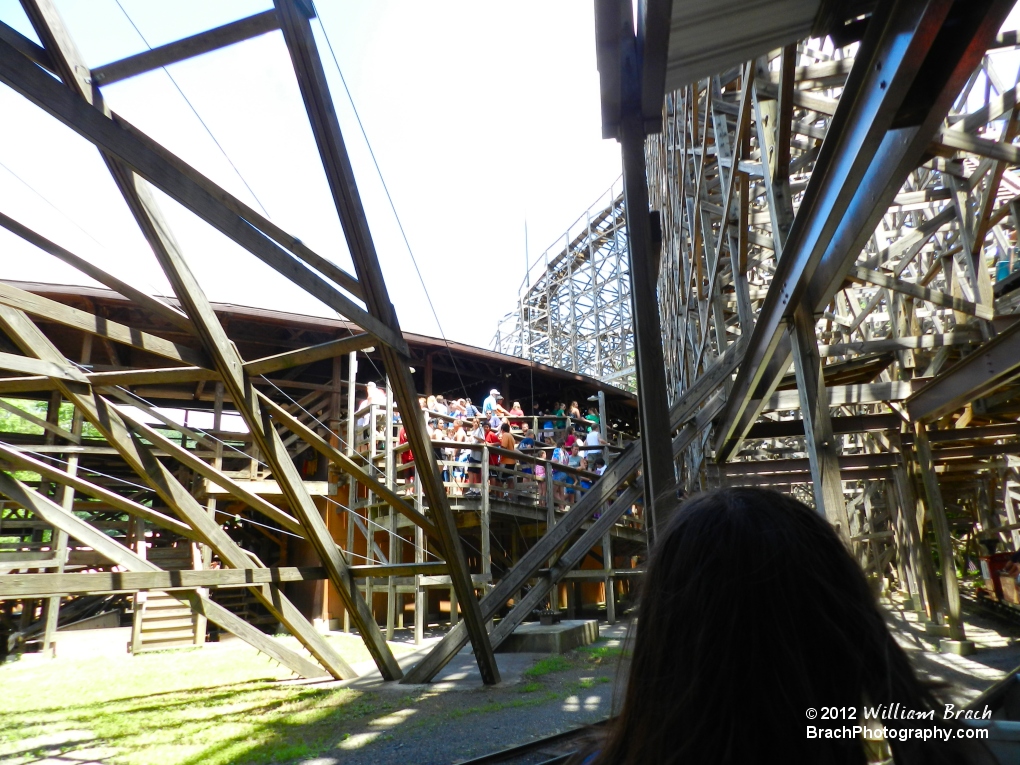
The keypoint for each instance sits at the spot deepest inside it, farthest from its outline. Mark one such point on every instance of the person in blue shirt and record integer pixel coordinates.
(489, 404)
(525, 444)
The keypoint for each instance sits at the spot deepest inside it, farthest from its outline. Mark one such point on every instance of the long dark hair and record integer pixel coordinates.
(752, 613)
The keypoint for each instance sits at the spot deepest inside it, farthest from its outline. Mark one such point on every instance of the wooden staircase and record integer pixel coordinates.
(160, 620)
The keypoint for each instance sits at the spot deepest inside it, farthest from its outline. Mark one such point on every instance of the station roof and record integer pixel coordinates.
(456, 369)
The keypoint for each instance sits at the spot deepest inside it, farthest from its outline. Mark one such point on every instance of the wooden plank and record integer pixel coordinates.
(163, 376)
(57, 370)
(151, 304)
(34, 384)
(312, 353)
(44, 585)
(983, 147)
(349, 466)
(820, 442)
(122, 556)
(40, 422)
(180, 50)
(924, 293)
(87, 322)
(311, 78)
(30, 339)
(842, 395)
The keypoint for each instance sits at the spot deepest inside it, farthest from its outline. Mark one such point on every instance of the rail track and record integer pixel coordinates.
(550, 750)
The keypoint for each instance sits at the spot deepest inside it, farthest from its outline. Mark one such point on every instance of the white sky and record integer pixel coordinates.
(481, 115)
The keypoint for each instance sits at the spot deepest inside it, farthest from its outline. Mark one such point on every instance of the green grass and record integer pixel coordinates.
(226, 705)
(214, 706)
(547, 666)
(530, 688)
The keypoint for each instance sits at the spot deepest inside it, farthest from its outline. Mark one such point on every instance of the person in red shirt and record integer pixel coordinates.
(406, 458)
(491, 438)
(571, 439)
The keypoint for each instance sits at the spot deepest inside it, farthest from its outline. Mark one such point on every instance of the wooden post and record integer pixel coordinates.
(369, 512)
(943, 538)
(550, 521)
(394, 551)
(137, 536)
(607, 564)
(352, 485)
(420, 603)
(814, 407)
(1008, 503)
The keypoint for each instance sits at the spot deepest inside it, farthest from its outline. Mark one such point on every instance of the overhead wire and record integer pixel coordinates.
(389, 197)
(155, 293)
(195, 112)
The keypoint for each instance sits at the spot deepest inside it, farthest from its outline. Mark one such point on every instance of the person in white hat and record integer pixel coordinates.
(489, 405)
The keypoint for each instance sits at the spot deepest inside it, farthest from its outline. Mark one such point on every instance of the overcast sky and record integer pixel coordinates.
(481, 115)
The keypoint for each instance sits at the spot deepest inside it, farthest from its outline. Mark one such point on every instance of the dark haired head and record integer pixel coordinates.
(505, 427)
(753, 612)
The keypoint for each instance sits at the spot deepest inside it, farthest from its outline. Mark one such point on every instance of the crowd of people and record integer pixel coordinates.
(458, 426)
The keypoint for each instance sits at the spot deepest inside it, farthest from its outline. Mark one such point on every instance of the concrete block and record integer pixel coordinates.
(959, 647)
(534, 637)
(937, 630)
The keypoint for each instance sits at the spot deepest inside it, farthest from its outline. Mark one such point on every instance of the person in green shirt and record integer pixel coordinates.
(559, 412)
(593, 416)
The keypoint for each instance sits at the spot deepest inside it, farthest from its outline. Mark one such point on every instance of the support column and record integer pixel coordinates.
(820, 441)
(391, 483)
(420, 601)
(352, 485)
(643, 260)
(607, 564)
(957, 642)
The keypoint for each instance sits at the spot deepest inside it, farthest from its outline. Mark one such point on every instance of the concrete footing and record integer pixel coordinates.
(959, 647)
(534, 637)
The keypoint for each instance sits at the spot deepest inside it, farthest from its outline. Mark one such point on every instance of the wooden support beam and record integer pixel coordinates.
(50, 473)
(59, 370)
(309, 355)
(566, 562)
(943, 538)
(51, 310)
(149, 303)
(988, 367)
(46, 585)
(814, 409)
(181, 50)
(923, 293)
(122, 556)
(349, 466)
(297, 34)
(40, 422)
(31, 340)
(191, 189)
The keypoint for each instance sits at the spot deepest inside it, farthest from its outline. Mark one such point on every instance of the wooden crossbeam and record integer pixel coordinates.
(16, 586)
(115, 552)
(157, 307)
(181, 50)
(51, 310)
(311, 78)
(923, 293)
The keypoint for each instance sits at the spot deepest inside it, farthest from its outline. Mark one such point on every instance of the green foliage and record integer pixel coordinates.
(547, 666)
